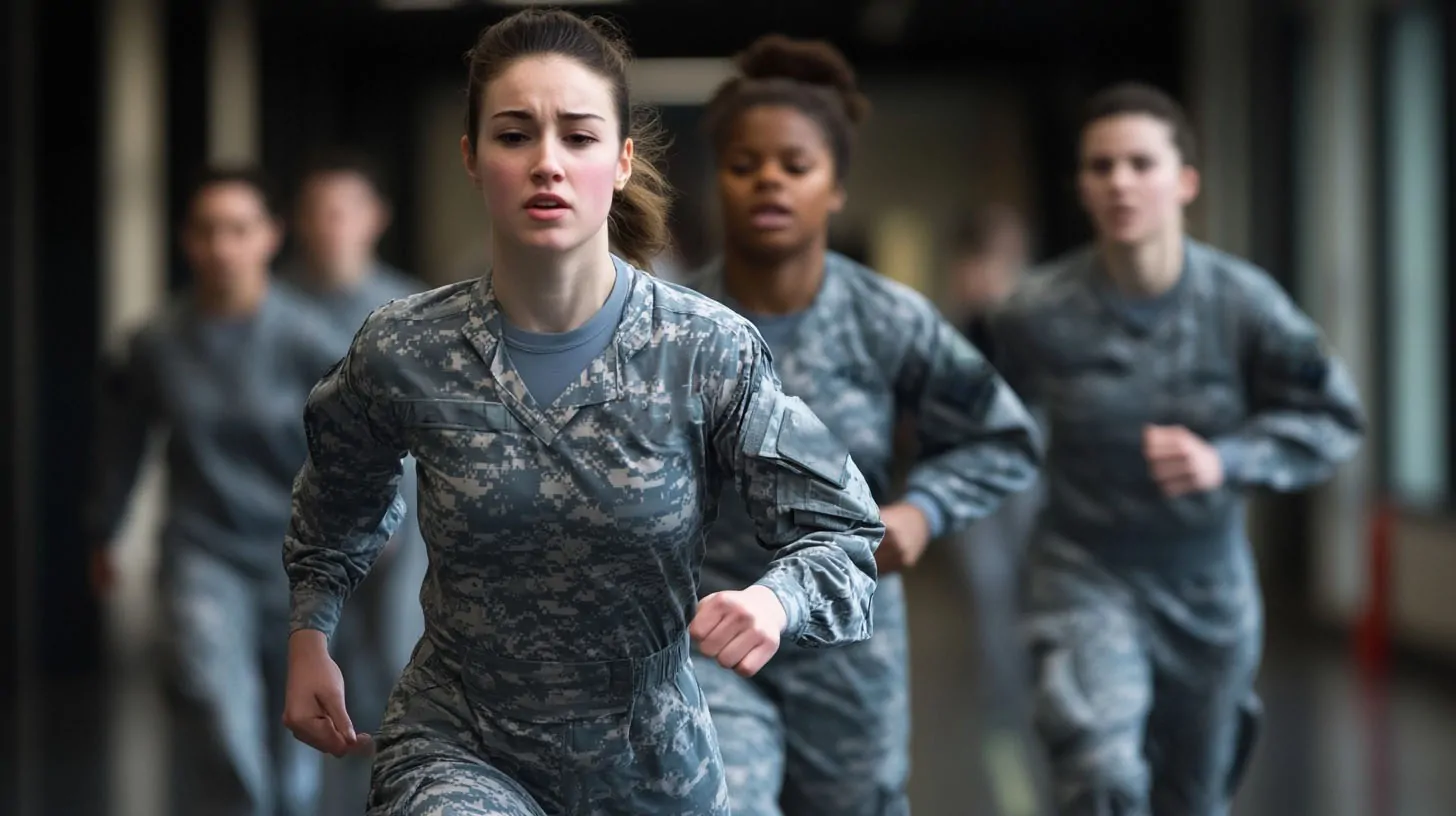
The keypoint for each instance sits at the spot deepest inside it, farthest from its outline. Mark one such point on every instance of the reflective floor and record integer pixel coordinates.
(1332, 746)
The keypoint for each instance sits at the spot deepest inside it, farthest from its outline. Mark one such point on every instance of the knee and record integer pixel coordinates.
(448, 788)
(1104, 773)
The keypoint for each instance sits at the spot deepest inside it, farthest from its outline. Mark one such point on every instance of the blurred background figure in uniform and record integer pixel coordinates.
(224, 372)
(340, 215)
(1176, 378)
(986, 258)
(987, 253)
(822, 731)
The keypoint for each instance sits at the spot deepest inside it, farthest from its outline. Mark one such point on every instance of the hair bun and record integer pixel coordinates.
(813, 62)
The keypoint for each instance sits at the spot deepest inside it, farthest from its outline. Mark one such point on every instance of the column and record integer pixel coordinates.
(135, 234)
(1334, 267)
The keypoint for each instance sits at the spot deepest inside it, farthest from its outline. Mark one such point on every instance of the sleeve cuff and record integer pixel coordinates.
(791, 598)
(927, 504)
(313, 609)
(1233, 456)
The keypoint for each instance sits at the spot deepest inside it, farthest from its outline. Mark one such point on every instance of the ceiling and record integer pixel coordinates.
(970, 32)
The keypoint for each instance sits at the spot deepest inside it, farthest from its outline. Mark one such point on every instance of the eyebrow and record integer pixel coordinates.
(527, 117)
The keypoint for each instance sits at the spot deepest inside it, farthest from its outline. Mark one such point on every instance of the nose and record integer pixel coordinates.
(1121, 176)
(769, 175)
(547, 167)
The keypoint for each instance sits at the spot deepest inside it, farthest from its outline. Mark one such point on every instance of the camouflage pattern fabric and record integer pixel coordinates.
(565, 542)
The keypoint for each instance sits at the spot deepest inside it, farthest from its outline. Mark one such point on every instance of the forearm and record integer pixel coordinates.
(987, 455)
(121, 448)
(334, 538)
(826, 583)
(1286, 450)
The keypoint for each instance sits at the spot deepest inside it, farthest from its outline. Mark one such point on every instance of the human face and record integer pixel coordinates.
(1133, 182)
(984, 279)
(340, 219)
(777, 182)
(548, 156)
(230, 238)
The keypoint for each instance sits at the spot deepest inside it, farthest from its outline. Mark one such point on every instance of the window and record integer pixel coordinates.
(1414, 257)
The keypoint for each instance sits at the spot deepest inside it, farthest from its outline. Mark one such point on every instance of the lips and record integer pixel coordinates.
(546, 201)
(770, 217)
(547, 208)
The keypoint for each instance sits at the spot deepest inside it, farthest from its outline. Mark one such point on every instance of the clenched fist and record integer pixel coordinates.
(740, 629)
(907, 534)
(1181, 462)
(314, 704)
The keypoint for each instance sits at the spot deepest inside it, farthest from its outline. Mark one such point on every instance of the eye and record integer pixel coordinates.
(582, 139)
(741, 166)
(511, 137)
(1142, 164)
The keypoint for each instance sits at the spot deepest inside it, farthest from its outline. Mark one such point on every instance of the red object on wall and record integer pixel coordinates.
(1373, 631)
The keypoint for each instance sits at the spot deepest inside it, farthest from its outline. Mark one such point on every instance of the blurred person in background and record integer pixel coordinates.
(828, 731)
(224, 373)
(573, 420)
(1175, 378)
(986, 257)
(340, 213)
(987, 254)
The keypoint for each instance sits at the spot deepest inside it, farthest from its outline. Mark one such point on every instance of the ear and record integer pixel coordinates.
(624, 165)
(467, 157)
(1188, 184)
(838, 198)
(383, 216)
(277, 229)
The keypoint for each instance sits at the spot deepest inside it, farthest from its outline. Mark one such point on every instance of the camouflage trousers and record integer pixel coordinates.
(485, 736)
(1143, 683)
(819, 732)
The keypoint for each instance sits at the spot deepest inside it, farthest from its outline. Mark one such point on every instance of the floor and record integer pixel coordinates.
(1333, 745)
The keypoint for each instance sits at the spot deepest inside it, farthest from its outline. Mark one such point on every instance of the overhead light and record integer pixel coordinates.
(422, 5)
(555, 2)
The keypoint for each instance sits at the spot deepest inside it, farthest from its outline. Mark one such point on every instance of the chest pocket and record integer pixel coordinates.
(470, 445)
(666, 426)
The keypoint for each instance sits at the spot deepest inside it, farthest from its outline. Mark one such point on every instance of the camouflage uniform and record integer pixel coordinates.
(565, 542)
(1144, 616)
(828, 732)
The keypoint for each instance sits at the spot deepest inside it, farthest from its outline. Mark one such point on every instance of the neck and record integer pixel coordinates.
(1147, 269)
(552, 294)
(227, 304)
(776, 286)
(336, 277)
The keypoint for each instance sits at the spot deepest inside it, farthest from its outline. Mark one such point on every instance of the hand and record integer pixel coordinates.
(314, 706)
(101, 572)
(907, 534)
(1180, 461)
(740, 629)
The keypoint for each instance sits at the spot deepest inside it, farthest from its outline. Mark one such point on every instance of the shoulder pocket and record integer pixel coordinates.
(805, 442)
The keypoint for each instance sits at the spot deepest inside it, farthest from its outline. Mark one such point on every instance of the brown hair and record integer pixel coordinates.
(1137, 98)
(811, 76)
(246, 175)
(637, 224)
